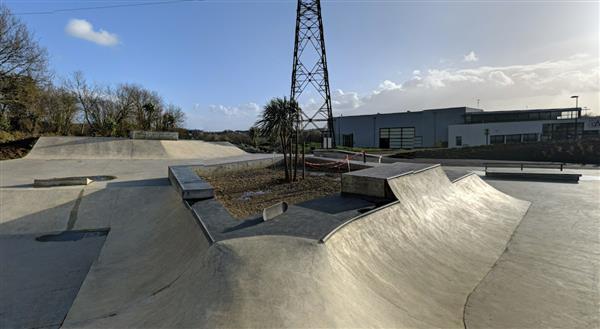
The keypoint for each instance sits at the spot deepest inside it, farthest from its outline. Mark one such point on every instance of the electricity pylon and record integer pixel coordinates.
(310, 70)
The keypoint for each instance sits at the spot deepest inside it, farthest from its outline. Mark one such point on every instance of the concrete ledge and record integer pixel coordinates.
(64, 181)
(157, 135)
(237, 165)
(373, 182)
(201, 223)
(189, 184)
(545, 177)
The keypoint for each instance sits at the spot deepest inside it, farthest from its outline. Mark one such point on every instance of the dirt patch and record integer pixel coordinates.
(246, 193)
(16, 149)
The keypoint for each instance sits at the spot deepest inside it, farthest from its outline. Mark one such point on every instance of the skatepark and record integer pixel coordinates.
(449, 251)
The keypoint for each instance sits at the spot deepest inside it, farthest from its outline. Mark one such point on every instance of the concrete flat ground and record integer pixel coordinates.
(548, 275)
(449, 255)
(40, 279)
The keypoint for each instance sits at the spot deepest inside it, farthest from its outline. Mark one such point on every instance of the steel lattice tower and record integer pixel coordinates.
(310, 68)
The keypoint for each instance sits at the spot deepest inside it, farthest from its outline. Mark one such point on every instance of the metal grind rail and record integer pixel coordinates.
(522, 165)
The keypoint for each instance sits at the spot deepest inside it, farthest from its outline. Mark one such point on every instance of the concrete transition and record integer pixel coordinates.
(413, 263)
(123, 148)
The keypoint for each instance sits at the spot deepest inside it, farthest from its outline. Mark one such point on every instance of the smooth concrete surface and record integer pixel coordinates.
(373, 181)
(412, 264)
(312, 219)
(53, 270)
(409, 265)
(548, 276)
(123, 148)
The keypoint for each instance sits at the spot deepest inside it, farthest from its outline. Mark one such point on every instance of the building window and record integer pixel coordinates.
(513, 139)
(497, 139)
(398, 138)
(348, 140)
(528, 138)
(561, 131)
(458, 140)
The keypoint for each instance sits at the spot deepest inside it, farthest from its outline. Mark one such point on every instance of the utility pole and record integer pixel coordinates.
(309, 71)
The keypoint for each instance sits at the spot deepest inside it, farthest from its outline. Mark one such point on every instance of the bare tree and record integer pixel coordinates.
(22, 67)
(58, 107)
(172, 117)
(103, 111)
(20, 54)
(144, 106)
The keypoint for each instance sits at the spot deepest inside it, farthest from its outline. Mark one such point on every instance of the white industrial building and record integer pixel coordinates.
(462, 126)
(522, 126)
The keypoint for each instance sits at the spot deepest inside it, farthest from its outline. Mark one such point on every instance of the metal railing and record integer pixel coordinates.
(522, 165)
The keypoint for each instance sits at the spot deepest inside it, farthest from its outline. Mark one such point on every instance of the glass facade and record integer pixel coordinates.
(513, 139)
(529, 138)
(508, 116)
(497, 139)
(562, 131)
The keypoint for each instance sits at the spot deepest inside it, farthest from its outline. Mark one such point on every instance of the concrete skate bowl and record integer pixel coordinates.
(411, 264)
(122, 148)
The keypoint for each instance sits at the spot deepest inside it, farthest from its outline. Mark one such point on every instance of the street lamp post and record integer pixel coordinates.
(576, 101)
(576, 114)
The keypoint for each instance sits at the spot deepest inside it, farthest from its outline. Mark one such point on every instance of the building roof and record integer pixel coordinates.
(467, 110)
(566, 109)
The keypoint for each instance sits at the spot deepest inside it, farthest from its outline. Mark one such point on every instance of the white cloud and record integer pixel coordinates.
(388, 85)
(243, 110)
(537, 85)
(500, 78)
(345, 100)
(223, 117)
(471, 57)
(80, 28)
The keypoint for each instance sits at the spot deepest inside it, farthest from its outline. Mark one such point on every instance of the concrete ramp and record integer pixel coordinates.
(122, 148)
(411, 264)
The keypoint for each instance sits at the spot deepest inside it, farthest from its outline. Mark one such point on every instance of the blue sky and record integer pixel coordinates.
(222, 60)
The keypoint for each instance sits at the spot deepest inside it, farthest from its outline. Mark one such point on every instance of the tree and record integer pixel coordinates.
(19, 52)
(278, 119)
(104, 109)
(253, 133)
(172, 117)
(22, 70)
(58, 108)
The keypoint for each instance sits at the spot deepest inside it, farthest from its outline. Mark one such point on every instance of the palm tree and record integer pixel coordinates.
(253, 133)
(278, 119)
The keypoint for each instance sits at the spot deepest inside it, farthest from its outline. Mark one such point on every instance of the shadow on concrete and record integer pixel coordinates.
(335, 204)
(245, 224)
(42, 272)
(140, 183)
